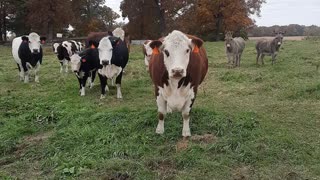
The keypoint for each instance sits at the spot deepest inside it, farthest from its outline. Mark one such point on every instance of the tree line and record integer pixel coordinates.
(290, 30)
(48, 17)
(209, 19)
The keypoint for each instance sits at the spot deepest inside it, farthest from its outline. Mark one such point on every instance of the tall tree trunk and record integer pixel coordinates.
(1, 19)
(162, 20)
(4, 24)
(50, 30)
(219, 21)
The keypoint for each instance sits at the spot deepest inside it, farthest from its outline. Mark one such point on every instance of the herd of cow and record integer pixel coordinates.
(177, 64)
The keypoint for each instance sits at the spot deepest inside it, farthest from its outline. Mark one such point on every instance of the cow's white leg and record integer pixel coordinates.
(119, 94)
(67, 64)
(90, 81)
(36, 73)
(26, 77)
(162, 110)
(82, 91)
(112, 82)
(21, 73)
(186, 118)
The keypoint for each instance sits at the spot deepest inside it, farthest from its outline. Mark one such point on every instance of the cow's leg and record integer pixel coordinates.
(36, 72)
(26, 72)
(162, 111)
(118, 83)
(61, 66)
(103, 83)
(239, 59)
(83, 84)
(21, 72)
(186, 117)
(67, 66)
(93, 76)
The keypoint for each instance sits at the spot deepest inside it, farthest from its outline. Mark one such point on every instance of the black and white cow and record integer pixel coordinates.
(65, 50)
(27, 53)
(113, 55)
(85, 66)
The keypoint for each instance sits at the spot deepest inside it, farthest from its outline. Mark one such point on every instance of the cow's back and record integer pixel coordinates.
(121, 54)
(16, 42)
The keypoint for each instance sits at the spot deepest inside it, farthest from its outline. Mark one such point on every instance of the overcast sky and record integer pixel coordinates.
(274, 12)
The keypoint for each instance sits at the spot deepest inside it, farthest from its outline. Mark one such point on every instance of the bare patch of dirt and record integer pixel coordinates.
(22, 168)
(293, 176)
(119, 176)
(202, 139)
(206, 138)
(182, 145)
(242, 173)
(166, 169)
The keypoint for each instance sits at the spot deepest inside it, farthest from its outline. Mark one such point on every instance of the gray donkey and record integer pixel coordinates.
(269, 47)
(234, 48)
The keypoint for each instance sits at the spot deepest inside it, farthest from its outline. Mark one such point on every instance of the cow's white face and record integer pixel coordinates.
(55, 47)
(75, 62)
(176, 50)
(34, 43)
(105, 51)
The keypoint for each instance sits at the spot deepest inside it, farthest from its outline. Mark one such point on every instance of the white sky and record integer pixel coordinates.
(274, 12)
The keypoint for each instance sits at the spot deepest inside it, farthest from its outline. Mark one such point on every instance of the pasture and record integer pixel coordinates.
(252, 122)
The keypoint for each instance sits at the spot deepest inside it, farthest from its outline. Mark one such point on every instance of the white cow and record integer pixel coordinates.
(27, 53)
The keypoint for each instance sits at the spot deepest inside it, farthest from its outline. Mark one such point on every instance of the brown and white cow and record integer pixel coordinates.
(177, 67)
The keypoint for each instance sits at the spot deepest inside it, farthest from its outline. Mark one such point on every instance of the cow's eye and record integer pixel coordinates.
(188, 50)
(167, 53)
(29, 41)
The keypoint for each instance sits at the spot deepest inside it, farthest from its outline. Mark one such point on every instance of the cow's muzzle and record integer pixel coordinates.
(35, 51)
(105, 62)
(177, 72)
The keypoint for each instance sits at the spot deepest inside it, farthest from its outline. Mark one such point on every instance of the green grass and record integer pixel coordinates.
(265, 119)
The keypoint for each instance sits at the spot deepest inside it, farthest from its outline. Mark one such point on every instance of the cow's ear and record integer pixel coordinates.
(196, 44)
(43, 40)
(25, 38)
(92, 44)
(155, 44)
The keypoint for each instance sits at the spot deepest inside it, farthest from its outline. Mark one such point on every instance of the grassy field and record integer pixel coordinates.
(252, 122)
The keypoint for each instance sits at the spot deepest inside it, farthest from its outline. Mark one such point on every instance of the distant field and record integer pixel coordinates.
(289, 38)
(252, 122)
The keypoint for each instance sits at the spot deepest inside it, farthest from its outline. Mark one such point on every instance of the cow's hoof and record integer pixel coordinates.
(119, 96)
(36, 80)
(186, 133)
(102, 96)
(169, 110)
(160, 128)
(91, 85)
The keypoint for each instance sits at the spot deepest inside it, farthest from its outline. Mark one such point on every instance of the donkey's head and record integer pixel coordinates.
(278, 38)
(228, 39)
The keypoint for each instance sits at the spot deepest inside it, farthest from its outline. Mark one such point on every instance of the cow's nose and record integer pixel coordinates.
(105, 62)
(35, 51)
(177, 72)
(75, 71)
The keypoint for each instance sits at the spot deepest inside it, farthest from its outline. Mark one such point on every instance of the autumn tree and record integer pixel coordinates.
(226, 15)
(49, 16)
(152, 18)
(92, 15)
